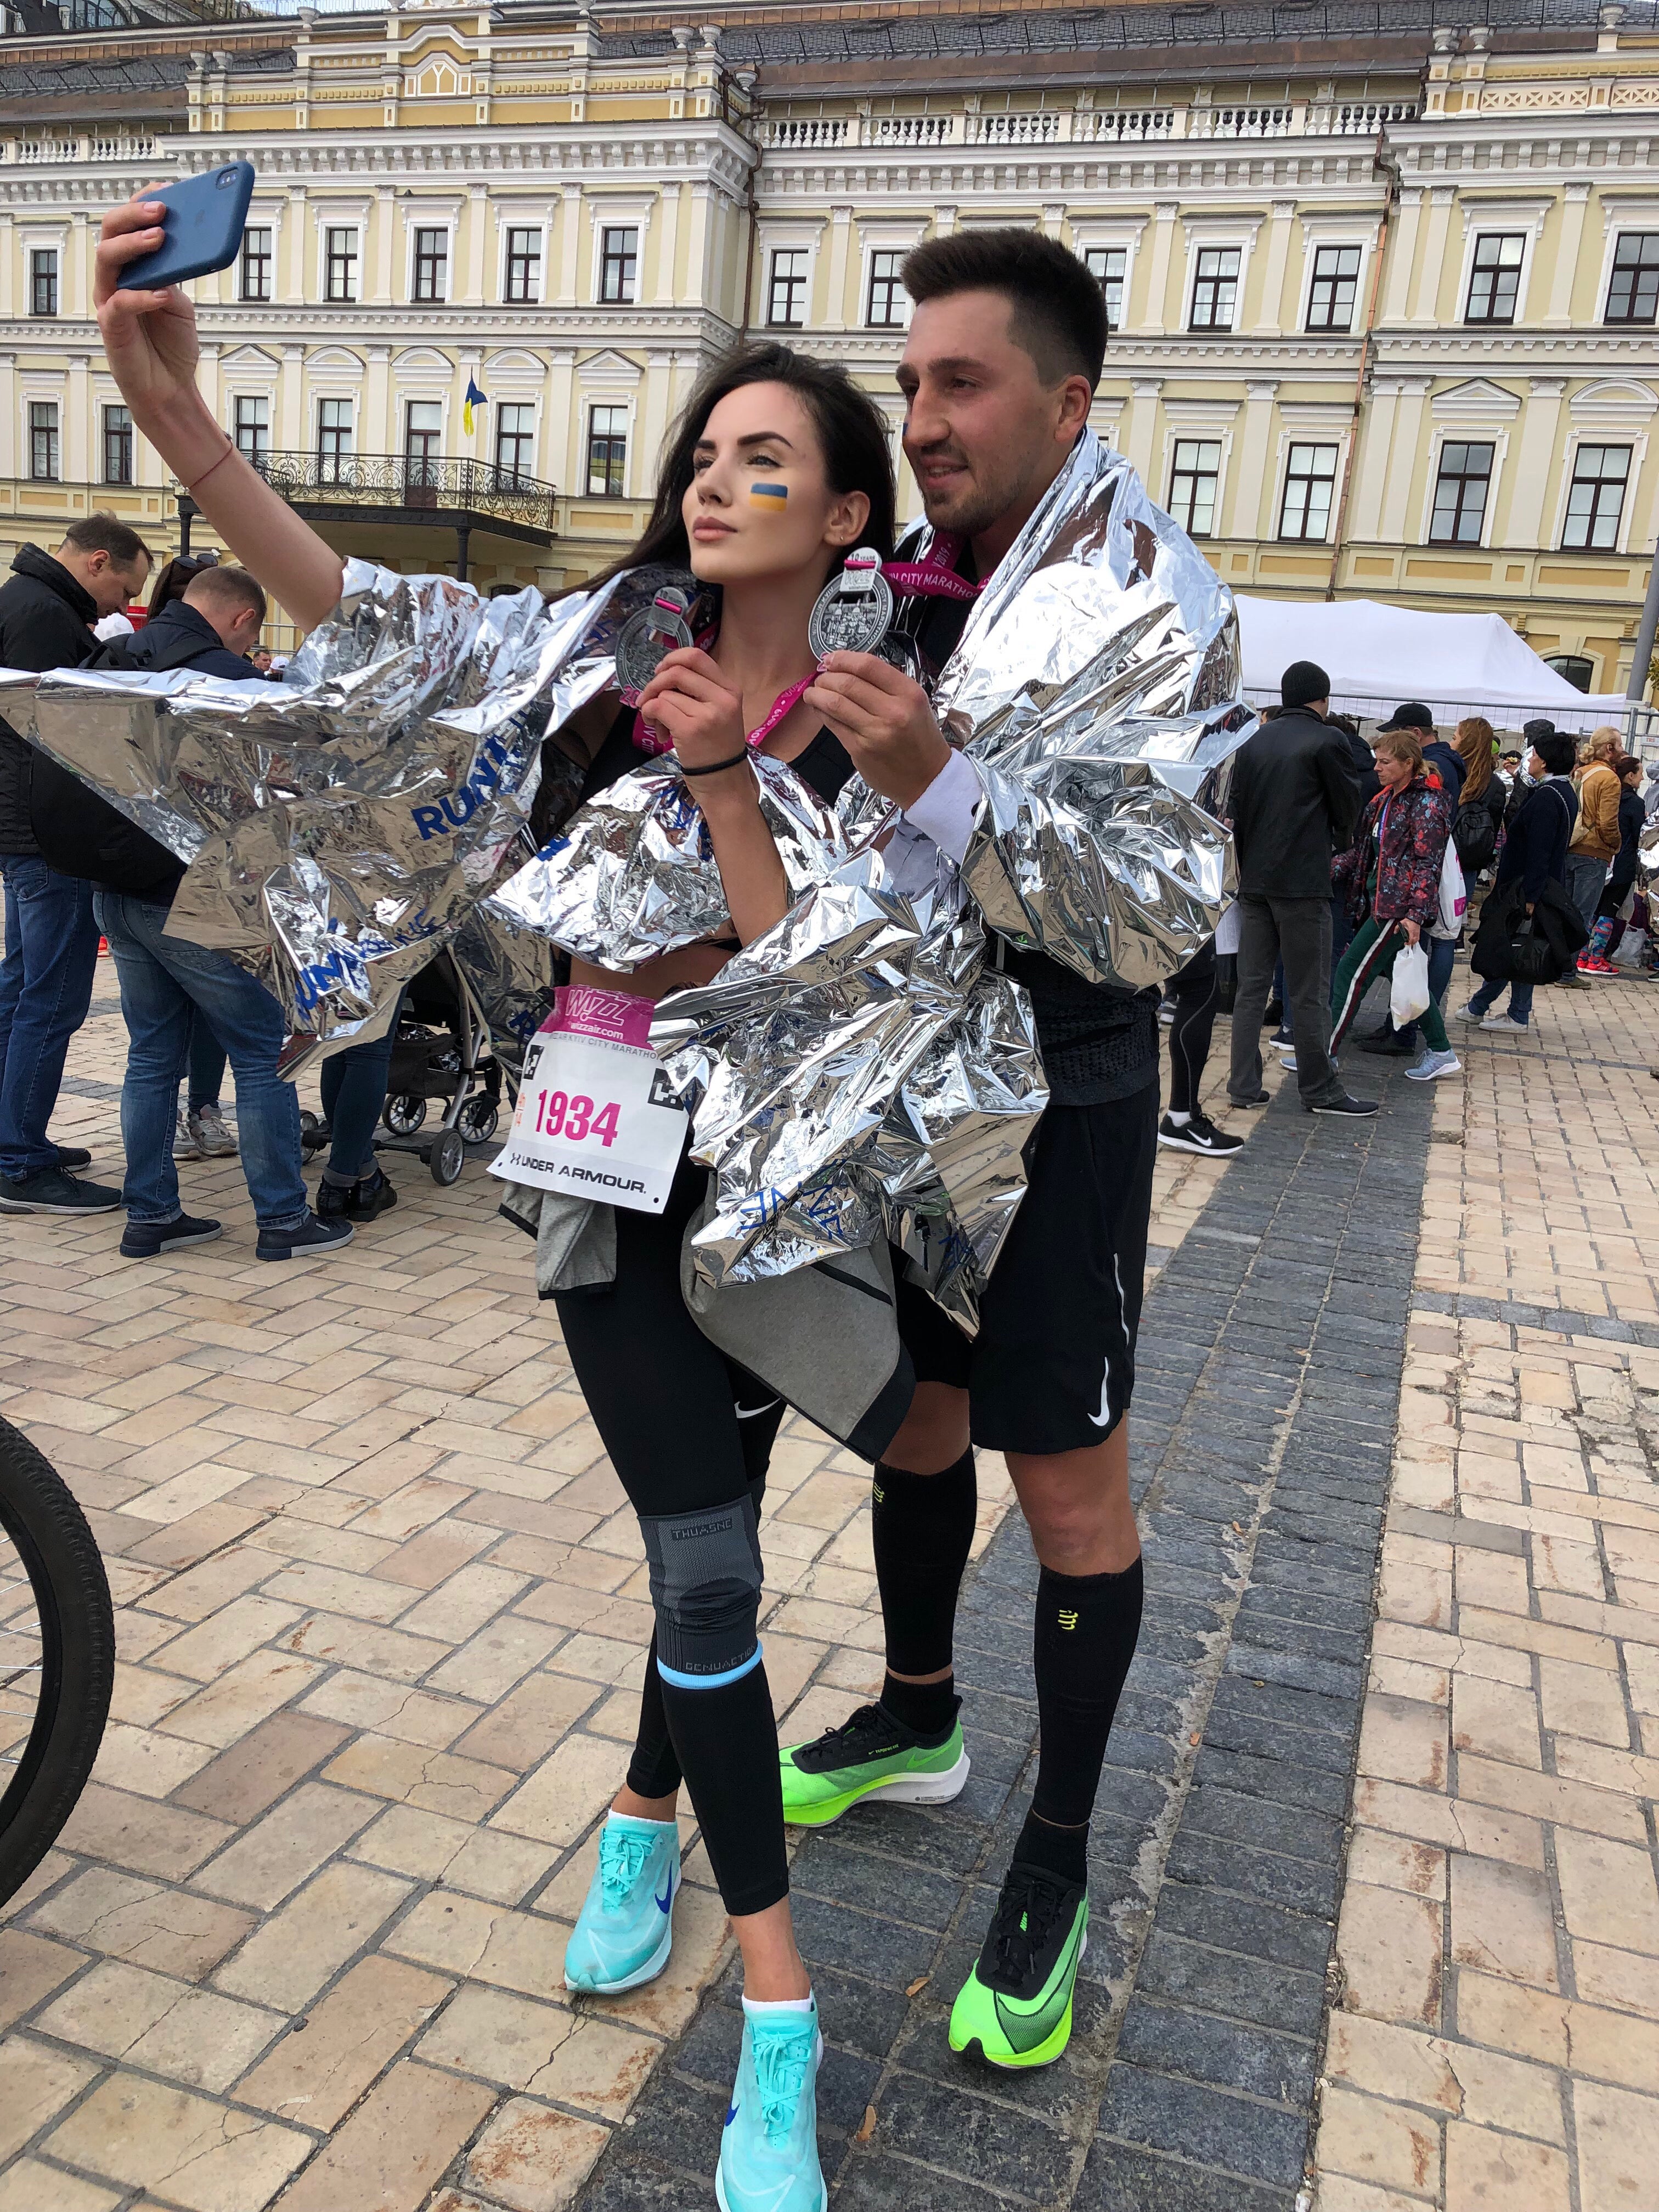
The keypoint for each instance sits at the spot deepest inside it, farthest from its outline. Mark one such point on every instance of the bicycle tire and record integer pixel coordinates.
(59, 1555)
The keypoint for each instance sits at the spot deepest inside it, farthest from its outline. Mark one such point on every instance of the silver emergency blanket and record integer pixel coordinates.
(635, 875)
(338, 829)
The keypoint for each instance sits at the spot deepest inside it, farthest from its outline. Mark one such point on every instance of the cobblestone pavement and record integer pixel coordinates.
(1266, 1394)
(381, 1617)
(1498, 2038)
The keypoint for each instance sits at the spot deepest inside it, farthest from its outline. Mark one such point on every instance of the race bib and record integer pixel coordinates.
(586, 1123)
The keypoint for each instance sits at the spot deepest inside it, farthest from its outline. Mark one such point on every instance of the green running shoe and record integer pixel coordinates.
(1015, 2009)
(871, 1752)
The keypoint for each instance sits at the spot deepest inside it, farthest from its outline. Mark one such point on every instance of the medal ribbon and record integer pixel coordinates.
(935, 578)
(647, 740)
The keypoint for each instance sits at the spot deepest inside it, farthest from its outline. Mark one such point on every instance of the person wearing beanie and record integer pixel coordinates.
(1294, 797)
(1437, 753)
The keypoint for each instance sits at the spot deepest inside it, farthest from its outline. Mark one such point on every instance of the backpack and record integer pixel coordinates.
(1474, 836)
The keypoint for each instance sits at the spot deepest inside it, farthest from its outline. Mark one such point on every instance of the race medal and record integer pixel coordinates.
(647, 638)
(853, 612)
(588, 1122)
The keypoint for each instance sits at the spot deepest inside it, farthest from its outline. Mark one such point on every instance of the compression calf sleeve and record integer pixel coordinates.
(1087, 1626)
(655, 1771)
(923, 1528)
(726, 1739)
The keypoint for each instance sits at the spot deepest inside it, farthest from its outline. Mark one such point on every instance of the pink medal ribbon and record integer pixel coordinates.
(647, 740)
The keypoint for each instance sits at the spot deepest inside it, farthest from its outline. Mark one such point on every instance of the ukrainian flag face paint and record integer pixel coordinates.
(774, 497)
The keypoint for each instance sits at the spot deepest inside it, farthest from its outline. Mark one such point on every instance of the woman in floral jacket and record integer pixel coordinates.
(1390, 877)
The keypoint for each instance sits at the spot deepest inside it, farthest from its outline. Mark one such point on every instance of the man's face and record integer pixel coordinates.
(111, 584)
(983, 433)
(1535, 767)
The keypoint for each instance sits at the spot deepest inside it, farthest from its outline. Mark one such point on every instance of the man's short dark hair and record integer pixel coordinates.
(1557, 750)
(1514, 757)
(104, 532)
(1057, 310)
(227, 587)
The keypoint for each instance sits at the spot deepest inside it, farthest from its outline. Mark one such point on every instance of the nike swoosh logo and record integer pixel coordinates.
(730, 2114)
(754, 1413)
(1025, 2030)
(667, 1897)
(1104, 1415)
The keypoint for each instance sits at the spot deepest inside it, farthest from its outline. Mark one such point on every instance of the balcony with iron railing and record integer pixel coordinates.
(1054, 126)
(435, 486)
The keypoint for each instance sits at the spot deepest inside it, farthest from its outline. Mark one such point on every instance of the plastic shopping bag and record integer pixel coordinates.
(1409, 992)
(1454, 894)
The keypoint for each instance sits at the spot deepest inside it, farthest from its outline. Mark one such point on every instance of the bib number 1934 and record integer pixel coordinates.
(586, 1122)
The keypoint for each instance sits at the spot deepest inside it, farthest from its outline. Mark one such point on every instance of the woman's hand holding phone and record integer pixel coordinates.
(149, 338)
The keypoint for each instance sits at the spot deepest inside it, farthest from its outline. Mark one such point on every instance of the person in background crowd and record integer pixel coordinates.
(165, 980)
(1536, 852)
(262, 660)
(1510, 769)
(1295, 799)
(1622, 876)
(1596, 841)
(47, 607)
(175, 578)
(1391, 875)
(1184, 1128)
(1437, 753)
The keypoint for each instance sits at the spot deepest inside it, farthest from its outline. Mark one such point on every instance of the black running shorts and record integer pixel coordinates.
(1052, 1367)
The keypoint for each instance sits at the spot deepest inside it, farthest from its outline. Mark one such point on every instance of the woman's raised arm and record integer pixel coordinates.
(149, 339)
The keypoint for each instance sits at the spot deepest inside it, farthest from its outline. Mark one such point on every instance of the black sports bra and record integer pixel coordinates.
(824, 763)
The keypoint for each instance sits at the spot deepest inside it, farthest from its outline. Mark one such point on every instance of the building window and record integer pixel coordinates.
(42, 441)
(1108, 265)
(431, 265)
(43, 280)
(1215, 287)
(1460, 494)
(607, 452)
(340, 266)
(1633, 289)
(1596, 499)
(515, 442)
(1495, 278)
(619, 265)
(524, 265)
(1574, 668)
(887, 302)
(1193, 481)
(785, 298)
(424, 427)
(1335, 281)
(333, 440)
(1310, 481)
(253, 429)
(118, 446)
(256, 262)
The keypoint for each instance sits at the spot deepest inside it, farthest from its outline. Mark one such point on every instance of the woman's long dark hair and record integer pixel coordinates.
(850, 426)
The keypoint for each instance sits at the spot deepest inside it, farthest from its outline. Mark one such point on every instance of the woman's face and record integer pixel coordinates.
(1392, 772)
(759, 503)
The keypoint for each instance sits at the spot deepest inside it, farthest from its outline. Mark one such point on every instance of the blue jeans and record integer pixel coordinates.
(1585, 877)
(161, 980)
(1519, 1001)
(354, 1091)
(207, 1063)
(46, 987)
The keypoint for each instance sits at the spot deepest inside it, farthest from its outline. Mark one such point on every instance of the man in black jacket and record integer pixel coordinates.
(47, 607)
(162, 978)
(1295, 801)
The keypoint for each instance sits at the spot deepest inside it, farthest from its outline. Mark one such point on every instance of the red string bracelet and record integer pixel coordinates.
(229, 449)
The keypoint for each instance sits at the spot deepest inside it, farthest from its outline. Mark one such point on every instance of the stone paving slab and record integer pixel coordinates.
(1266, 1399)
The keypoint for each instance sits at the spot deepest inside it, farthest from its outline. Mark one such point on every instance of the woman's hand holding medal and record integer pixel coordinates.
(692, 704)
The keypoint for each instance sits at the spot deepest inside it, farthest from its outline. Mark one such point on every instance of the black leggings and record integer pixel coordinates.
(1193, 989)
(688, 1430)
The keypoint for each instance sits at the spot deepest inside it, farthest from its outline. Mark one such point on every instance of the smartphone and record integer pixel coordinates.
(202, 226)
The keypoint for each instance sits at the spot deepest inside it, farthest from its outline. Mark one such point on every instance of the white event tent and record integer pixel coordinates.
(1378, 656)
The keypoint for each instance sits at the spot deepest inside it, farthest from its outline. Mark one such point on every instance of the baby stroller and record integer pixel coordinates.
(441, 1050)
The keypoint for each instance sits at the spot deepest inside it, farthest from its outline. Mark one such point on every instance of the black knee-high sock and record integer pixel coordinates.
(1086, 1629)
(727, 1741)
(655, 1770)
(923, 1527)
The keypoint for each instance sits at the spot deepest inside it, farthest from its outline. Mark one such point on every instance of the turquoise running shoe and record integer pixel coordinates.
(625, 1929)
(770, 2151)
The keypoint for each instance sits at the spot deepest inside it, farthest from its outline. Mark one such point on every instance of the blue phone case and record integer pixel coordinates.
(203, 224)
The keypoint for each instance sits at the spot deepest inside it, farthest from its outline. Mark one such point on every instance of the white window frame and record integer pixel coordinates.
(1463, 434)
(1490, 218)
(1313, 238)
(1282, 477)
(1588, 434)
(268, 393)
(505, 224)
(1122, 238)
(532, 401)
(589, 396)
(1202, 232)
(414, 224)
(785, 238)
(1197, 434)
(1621, 225)
(625, 212)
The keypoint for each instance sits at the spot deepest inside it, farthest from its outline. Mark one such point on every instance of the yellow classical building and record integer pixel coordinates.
(1384, 305)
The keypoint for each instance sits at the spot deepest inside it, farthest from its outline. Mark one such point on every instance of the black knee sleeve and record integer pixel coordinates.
(705, 1571)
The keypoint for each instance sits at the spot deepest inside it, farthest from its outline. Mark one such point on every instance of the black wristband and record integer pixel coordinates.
(713, 768)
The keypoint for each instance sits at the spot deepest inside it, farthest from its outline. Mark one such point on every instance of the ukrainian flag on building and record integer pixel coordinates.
(474, 398)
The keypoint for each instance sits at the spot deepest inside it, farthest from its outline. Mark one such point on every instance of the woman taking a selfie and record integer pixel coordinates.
(778, 467)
